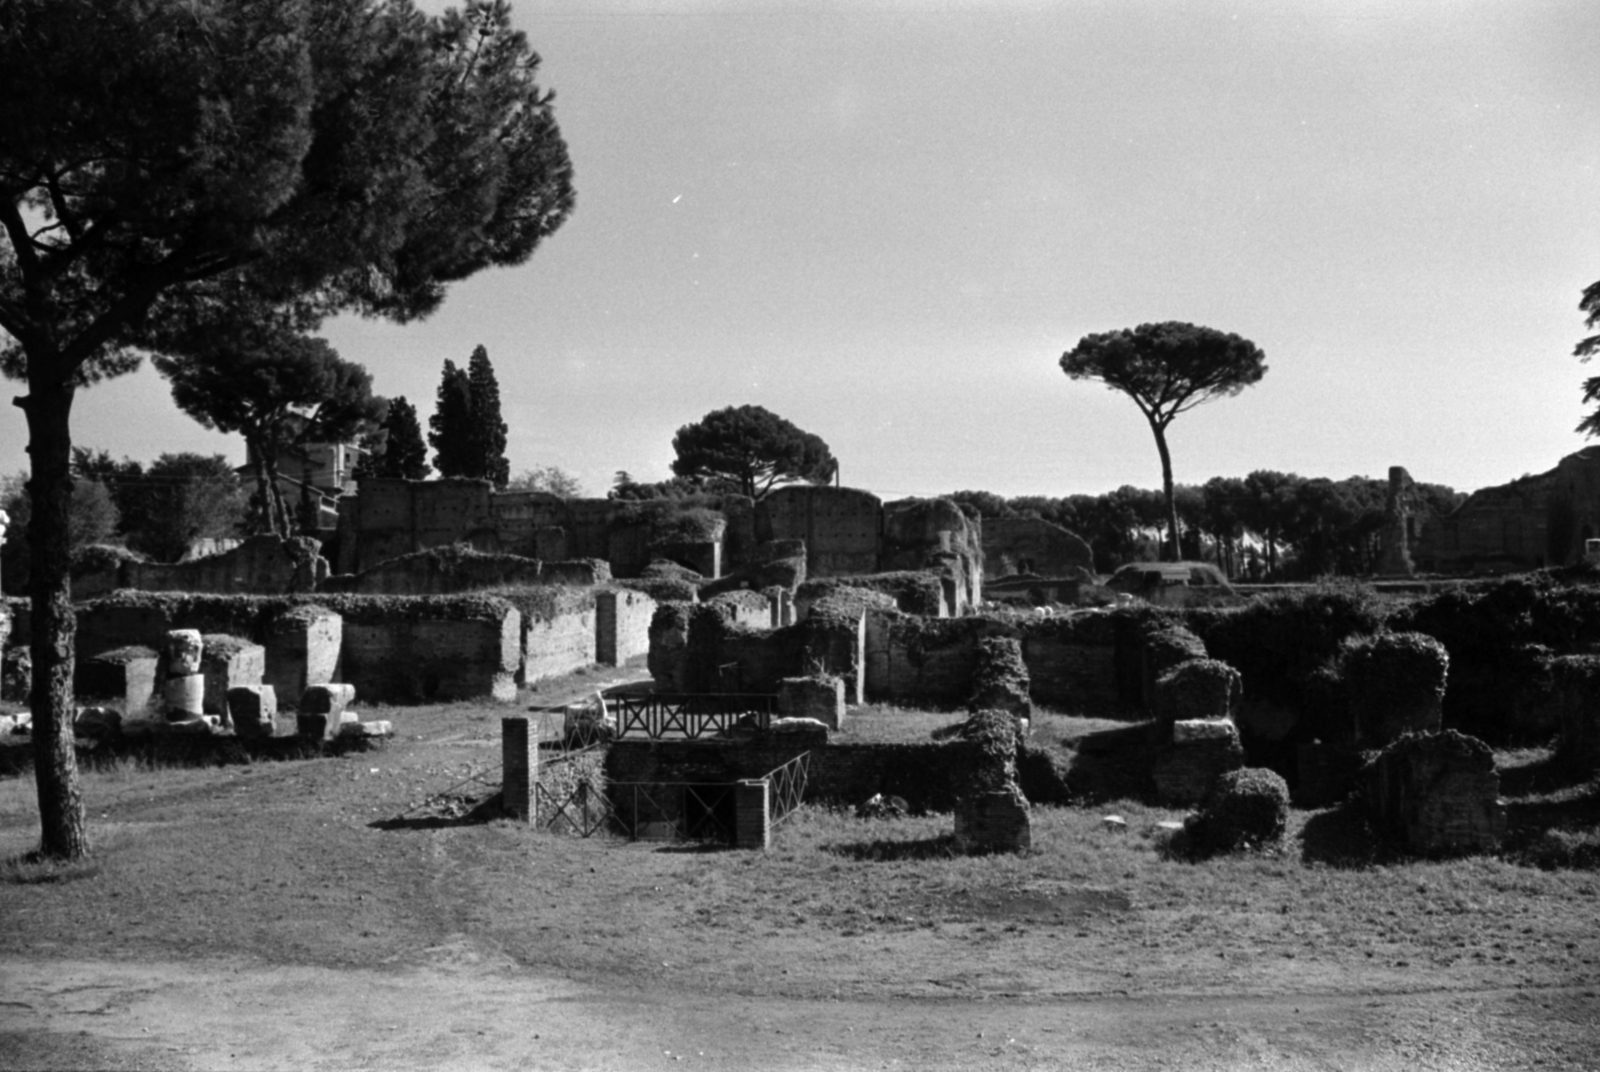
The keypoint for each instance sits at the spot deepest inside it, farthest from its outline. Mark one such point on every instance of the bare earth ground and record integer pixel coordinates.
(275, 916)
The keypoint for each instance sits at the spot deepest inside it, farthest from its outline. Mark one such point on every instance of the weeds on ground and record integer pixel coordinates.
(32, 869)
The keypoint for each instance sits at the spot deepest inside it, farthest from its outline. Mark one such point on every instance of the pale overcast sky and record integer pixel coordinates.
(886, 222)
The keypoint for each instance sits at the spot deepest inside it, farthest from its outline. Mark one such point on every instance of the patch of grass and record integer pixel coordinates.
(32, 869)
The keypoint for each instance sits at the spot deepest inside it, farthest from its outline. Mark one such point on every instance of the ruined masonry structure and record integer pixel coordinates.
(1436, 794)
(845, 531)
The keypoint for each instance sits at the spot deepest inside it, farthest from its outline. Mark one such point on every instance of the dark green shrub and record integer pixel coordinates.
(1245, 808)
(1278, 642)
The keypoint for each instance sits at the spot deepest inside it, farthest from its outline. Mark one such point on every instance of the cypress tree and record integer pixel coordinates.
(488, 428)
(450, 428)
(399, 450)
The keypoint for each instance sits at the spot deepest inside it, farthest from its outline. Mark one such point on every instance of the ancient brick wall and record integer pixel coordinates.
(622, 625)
(718, 655)
(303, 647)
(1436, 793)
(408, 649)
(745, 608)
(925, 660)
(558, 643)
(519, 517)
(1072, 662)
(927, 776)
(841, 527)
(392, 517)
(936, 533)
(263, 565)
(669, 646)
(1032, 545)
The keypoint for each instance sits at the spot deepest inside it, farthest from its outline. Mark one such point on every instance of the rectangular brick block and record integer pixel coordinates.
(302, 649)
(253, 710)
(126, 676)
(229, 663)
(519, 764)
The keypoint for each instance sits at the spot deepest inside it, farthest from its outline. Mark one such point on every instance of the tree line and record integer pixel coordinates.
(1264, 526)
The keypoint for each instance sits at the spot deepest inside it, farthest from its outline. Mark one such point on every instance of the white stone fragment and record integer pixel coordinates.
(185, 695)
(797, 725)
(1116, 824)
(375, 728)
(184, 649)
(1188, 731)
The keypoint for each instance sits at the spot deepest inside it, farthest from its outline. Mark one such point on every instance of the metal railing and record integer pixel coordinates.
(690, 716)
(786, 787)
(674, 811)
(582, 812)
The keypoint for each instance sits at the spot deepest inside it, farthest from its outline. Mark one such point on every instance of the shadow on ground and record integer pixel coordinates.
(885, 850)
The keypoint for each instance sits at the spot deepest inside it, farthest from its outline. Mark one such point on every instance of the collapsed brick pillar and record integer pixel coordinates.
(1160, 650)
(1198, 753)
(991, 811)
(1000, 681)
(253, 710)
(1436, 794)
(1395, 684)
(519, 764)
(993, 821)
(820, 697)
(1203, 689)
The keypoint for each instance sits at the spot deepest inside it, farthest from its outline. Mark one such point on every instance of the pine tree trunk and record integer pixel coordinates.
(1174, 552)
(264, 492)
(63, 829)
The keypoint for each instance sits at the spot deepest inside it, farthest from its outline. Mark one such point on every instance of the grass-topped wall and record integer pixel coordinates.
(914, 591)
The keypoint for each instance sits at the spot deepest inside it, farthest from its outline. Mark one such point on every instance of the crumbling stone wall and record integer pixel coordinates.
(393, 517)
(841, 527)
(455, 569)
(266, 565)
(1072, 661)
(669, 646)
(837, 593)
(1197, 689)
(1161, 648)
(559, 630)
(745, 608)
(1436, 794)
(1395, 684)
(1193, 756)
(924, 661)
(1031, 545)
(936, 533)
(719, 655)
(622, 625)
(301, 638)
(403, 649)
(392, 648)
(819, 697)
(913, 591)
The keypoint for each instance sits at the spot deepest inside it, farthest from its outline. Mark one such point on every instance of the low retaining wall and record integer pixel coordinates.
(264, 565)
(395, 649)
(928, 777)
(404, 649)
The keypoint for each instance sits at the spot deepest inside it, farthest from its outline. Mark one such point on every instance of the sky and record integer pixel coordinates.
(887, 221)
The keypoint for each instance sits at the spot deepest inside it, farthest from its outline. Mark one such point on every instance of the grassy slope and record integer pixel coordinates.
(283, 863)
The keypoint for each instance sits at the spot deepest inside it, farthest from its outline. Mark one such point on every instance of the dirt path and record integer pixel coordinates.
(466, 1012)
